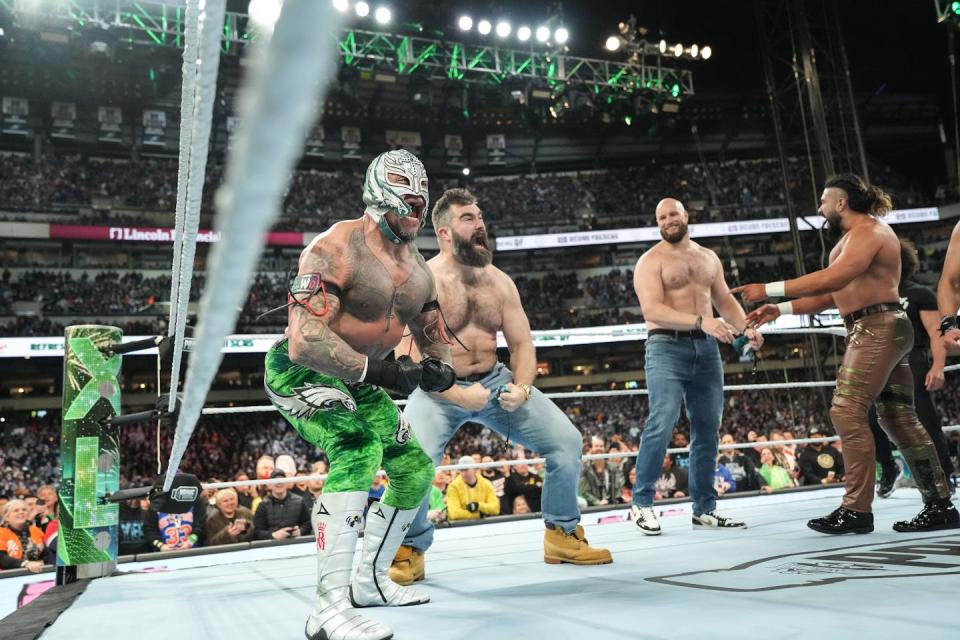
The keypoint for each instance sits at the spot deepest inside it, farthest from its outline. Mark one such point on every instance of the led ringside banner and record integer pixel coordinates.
(89, 450)
(699, 230)
(157, 234)
(260, 343)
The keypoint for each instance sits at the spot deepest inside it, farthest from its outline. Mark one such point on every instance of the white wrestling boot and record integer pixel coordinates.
(336, 524)
(372, 586)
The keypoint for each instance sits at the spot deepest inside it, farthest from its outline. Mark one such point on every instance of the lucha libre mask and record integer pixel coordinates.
(383, 194)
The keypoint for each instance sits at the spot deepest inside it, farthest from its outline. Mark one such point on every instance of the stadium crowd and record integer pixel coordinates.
(244, 446)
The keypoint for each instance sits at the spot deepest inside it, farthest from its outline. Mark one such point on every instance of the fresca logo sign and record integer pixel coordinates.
(910, 558)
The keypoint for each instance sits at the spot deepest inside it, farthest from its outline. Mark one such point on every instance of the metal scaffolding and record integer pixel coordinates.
(159, 23)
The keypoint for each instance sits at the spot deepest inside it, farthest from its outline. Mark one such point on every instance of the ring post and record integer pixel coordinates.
(89, 454)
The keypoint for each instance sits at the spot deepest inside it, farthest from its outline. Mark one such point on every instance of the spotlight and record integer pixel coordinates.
(543, 34)
(341, 5)
(466, 171)
(613, 43)
(484, 27)
(263, 13)
(523, 34)
(503, 29)
(678, 50)
(694, 51)
(465, 23)
(382, 15)
(706, 52)
(362, 9)
(663, 46)
(561, 35)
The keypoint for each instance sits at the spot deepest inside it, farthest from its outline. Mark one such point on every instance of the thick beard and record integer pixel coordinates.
(465, 252)
(834, 225)
(676, 237)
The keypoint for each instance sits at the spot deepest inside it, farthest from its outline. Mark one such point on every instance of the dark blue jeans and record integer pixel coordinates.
(682, 370)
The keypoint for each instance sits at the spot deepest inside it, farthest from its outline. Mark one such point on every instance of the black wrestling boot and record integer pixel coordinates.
(843, 521)
(936, 515)
(889, 474)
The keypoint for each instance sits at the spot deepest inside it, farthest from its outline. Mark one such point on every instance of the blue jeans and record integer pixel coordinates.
(681, 370)
(538, 425)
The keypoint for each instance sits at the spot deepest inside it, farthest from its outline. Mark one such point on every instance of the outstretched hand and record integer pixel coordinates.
(751, 292)
(762, 315)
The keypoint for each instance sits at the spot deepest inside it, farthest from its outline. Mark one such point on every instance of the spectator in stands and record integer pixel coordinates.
(470, 496)
(819, 462)
(438, 505)
(232, 523)
(673, 480)
(723, 481)
(680, 441)
(773, 474)
(265, 467)
(497, 478)
(21, 541)
(175, 531)
(626, 489)
(522, 482)
(247, 495)
(281, 514)
(600, 481)
(520, 506)
(132, 537)
(741, 467)
(315, 487)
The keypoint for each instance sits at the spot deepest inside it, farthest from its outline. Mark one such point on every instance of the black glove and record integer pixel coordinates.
(402, 375)
(473, 507)
(437, 375)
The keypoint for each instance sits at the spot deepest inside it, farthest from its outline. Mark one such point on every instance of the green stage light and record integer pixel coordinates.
(955, 8)
(675, 90)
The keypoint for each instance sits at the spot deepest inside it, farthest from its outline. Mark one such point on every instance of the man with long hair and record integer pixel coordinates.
(862, 281)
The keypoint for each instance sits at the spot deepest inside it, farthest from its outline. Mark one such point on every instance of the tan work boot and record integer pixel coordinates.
(407, 566)
(560, 546)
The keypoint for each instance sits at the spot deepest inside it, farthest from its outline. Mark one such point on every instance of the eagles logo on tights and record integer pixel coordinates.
(307, 400)
(403, 430)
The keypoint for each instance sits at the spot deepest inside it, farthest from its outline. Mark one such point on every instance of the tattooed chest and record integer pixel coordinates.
(374, 297)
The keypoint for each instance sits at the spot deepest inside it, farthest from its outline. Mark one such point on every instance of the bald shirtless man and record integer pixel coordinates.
(679, 283)
(862, 281)
(359, 284)
(478, 300)
(948, 295)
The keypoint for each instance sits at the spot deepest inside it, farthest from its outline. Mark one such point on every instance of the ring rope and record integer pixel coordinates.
(210, 22)
(534, 461)
(277, 104)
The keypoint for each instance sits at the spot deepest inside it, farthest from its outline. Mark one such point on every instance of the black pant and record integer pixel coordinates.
(919, 360)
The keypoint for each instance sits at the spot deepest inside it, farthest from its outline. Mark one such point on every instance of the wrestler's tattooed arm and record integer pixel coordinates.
(311, 342)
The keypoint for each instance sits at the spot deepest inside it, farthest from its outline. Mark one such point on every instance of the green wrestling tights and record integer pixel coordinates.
(358, 426)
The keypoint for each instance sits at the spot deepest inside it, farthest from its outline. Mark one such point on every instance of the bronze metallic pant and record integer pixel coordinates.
(875, 369)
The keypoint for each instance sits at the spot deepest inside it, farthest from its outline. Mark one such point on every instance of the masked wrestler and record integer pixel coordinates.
(358, 285)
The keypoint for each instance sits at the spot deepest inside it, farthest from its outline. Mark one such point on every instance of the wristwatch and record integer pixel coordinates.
(526, 389)
(948, 323)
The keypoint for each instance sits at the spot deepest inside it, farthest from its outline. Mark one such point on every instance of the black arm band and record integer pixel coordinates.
(430, 306)
(948, 323)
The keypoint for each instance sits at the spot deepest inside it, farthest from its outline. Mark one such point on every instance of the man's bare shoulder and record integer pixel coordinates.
(501, 279)
(333, 250)
(650, 259)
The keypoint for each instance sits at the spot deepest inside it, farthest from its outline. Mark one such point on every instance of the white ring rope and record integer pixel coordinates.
(190, 47)
(277, 105)
(210, 23)
(535, 461)
(208, 411)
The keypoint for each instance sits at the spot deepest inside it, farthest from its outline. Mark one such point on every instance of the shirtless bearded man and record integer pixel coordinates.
(478, 300)
(862, 282)
(678, 283)
(359, 284)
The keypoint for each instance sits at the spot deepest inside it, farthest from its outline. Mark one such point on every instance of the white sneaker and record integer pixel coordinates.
(713, 520)
(645, 519)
